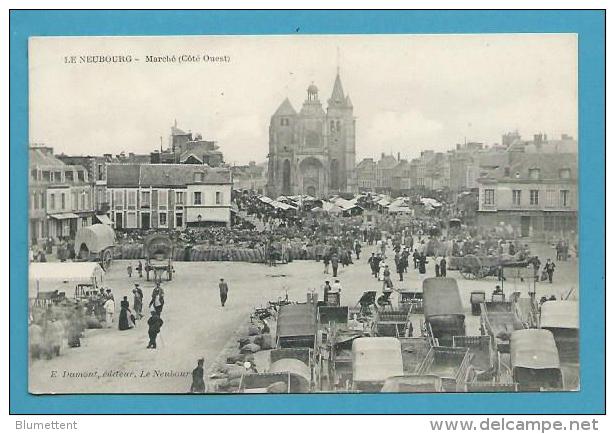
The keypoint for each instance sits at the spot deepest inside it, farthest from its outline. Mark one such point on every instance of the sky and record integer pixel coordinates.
(410, 92)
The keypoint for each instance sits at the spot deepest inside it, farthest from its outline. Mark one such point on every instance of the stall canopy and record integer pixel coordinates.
(64, 216)
(48, 276)
(104, 219)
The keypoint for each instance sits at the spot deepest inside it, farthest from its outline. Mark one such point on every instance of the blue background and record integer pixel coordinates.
(589, 25)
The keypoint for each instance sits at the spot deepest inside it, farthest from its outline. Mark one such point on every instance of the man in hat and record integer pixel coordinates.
(223, 291)
(198, 383)
(154, 323)
(157, 301)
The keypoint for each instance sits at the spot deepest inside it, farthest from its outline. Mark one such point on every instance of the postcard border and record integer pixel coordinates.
(588, 24)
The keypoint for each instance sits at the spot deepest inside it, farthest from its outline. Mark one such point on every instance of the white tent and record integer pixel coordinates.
(429, 202)
(63, 276)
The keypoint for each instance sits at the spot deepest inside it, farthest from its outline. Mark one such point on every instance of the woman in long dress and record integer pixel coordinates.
(125, 322)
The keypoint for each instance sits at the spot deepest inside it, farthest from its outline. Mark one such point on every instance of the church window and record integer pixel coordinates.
(332, 126)
(338, 126)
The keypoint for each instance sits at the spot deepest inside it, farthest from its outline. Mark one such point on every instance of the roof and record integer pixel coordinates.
(376, 358)
(441, 297)
(520, 163)
(387, 162)
(560, 314)
(337, 95)
(123, 175)
(296, 320)
(40, 157)
(285, 109)
(164, 175)
(96, 238)
(533, 349)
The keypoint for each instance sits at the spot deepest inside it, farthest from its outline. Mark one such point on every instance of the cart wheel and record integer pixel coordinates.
(107, 259)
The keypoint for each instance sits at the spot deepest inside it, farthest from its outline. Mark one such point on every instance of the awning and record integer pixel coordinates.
(104, 219)
(64, 216)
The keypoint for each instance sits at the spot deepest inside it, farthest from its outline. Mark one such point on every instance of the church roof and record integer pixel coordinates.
(285, 109)
(337, 96)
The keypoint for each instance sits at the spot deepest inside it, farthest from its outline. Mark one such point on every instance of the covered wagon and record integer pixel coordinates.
(95, 244)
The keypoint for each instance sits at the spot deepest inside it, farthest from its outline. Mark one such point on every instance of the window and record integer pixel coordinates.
(81, 176)
(52, 201)
(198, 176)
(163, 218)
(43, 202)
(533, 197)
(145, 199)
(179, 198)
(36, 203)
(332, 126)
(534, 173)
(88, 199)
(131, 220)
(564, 173)
(516, 197)
(84, 222)
(75, 200)
(46, 175)
(83, 200)
(69, 176)
(163, 199)
(179, 220)
(198, 198)
(118, 198)
(218, 197)
(100, 172)
(507, 171)
(489, 197)
(551, 199)
(284, 122)
(63, 201)
(33, 174)
(564, 198)
(131, 199)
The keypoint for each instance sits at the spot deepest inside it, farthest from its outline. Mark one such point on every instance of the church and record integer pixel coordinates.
(313, 152)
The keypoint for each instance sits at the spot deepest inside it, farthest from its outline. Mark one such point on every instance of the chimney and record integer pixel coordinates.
(398, 157)
(382, 156)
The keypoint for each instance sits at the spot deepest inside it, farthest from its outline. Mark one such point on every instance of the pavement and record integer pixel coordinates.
(195, 325)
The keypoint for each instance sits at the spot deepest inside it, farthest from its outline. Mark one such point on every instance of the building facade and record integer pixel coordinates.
(168, 196)
(535, 193)
(61, 196)
(313, 152)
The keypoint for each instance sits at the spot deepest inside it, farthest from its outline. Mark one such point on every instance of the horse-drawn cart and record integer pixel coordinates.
(158, 256)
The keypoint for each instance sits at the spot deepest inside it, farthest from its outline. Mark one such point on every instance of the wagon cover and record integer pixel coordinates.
(560, 314)
(296, 320)
(533, 349)
(441, 297)
(95, 237)
(376, 359)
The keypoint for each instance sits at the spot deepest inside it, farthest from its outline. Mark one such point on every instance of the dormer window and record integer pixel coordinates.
(284, 122)
(198, 176)
(564, 173)
(534, 173)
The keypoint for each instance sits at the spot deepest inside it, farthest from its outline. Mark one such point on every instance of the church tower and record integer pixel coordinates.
(341, 140)
(282, 142)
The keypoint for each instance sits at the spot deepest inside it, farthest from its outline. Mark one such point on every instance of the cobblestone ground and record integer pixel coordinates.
(195, 325)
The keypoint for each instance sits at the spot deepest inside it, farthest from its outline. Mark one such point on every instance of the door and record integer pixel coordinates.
(119, 224)
(525, 226)
(145, 221)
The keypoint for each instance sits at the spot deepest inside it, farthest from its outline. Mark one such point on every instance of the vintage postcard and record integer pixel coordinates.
(303, 214)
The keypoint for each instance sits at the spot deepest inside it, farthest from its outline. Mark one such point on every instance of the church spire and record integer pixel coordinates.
(337, 96)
